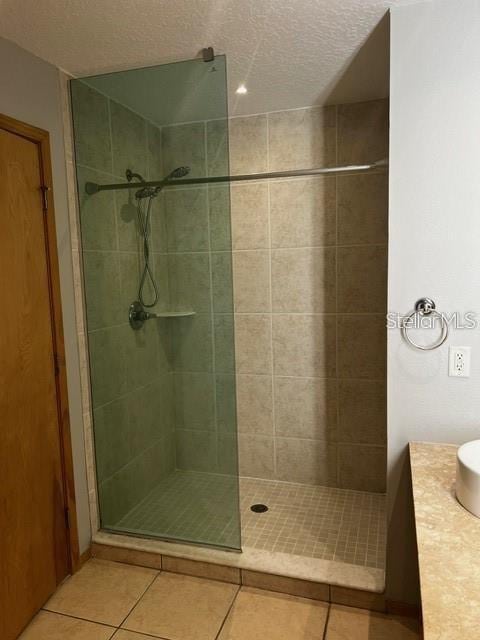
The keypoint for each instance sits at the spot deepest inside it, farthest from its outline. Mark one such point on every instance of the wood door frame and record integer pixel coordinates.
(42, 139)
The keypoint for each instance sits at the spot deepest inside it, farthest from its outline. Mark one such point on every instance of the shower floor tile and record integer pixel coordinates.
(309, 521)
(316, 522)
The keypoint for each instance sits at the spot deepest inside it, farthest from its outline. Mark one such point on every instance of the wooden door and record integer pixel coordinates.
(34, 547)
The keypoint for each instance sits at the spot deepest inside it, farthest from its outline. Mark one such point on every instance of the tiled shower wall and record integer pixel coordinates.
(310, 277)
(310, 273)
(309, 267)
(132, 390)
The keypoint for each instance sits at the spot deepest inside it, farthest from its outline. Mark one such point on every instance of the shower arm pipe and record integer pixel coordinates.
(93, 187)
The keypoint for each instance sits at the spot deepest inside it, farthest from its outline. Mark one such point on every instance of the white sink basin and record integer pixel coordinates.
(468, 476)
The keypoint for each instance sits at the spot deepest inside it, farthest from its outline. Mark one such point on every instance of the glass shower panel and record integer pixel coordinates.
(163, 393)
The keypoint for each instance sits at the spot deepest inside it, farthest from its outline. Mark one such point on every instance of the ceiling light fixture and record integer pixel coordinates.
(242, 90)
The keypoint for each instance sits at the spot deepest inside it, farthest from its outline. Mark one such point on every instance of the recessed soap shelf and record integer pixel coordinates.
(137, 314)
(173, 314)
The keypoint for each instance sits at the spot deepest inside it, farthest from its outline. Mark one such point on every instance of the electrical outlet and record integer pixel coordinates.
(459, 362)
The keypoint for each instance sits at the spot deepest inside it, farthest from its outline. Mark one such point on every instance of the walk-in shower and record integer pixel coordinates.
(179, 203)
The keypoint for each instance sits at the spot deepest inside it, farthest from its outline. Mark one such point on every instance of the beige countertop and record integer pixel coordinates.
(448, 539)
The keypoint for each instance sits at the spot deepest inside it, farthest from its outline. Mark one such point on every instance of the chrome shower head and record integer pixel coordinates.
(151, 192)
(179, 172)
(147, 192)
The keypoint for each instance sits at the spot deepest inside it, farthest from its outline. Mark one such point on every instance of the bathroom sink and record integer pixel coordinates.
(468, 476)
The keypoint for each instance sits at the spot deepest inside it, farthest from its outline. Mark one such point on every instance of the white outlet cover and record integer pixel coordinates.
(459, 362)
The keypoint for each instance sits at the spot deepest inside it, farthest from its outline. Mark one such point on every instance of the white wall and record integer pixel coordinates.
(434, 246)
(30, 91)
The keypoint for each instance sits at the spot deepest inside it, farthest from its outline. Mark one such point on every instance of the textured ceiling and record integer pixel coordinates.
(289, 53)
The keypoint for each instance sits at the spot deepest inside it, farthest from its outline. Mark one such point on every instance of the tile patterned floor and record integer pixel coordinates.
(113, 601)
(316, 522)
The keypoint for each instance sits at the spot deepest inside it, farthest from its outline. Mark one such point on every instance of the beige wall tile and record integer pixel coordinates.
(357, 598)
(182, 608)
(101, 591)
(303, 212)
(362, 467)
(362, 279)
(251, 281)
(347, 622)
(256, 456)
(305, 408)
(362, 132)
(127, 556)
(362, 209)
(201, 569)
(301, 138)
(249, 211)
(258, 614)
(362, 411)
(254, 404)
(248, 144)
(361, 346)
(253, 351)
(306, 461)
(282, 584)
(304, 345)
(51, 626)
(303, 280)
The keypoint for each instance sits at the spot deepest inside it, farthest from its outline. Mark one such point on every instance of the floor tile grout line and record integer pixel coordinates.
(70, 615)
(141, 597)
(229, 610)
(325, 630)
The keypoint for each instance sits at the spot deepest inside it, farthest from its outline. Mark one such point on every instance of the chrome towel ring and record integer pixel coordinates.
(425, 307)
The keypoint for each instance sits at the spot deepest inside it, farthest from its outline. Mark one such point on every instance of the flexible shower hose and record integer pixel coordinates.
(147, 275)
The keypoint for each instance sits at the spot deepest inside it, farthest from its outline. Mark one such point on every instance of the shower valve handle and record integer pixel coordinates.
(137, 315)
